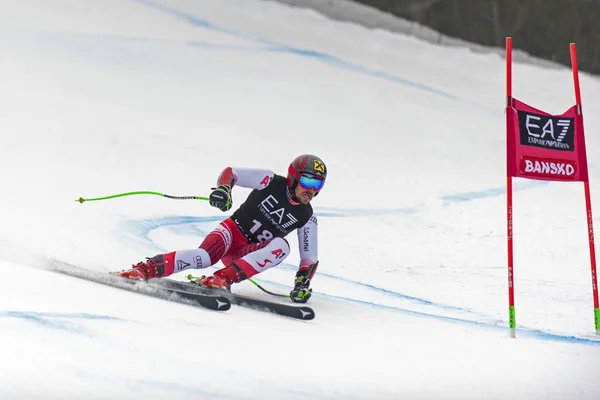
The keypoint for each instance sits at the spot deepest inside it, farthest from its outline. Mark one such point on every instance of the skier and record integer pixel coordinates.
(252, 239)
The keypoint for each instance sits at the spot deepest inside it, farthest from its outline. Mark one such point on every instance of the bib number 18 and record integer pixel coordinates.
(262, 237)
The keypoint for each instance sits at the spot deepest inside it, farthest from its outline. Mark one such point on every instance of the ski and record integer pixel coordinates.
(286, 310)
(212, 301)
(185, 292)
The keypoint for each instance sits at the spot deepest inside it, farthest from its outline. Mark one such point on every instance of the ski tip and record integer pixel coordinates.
(223, 304)
(307, 313)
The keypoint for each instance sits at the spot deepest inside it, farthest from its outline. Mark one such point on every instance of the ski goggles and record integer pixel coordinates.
(309, 181)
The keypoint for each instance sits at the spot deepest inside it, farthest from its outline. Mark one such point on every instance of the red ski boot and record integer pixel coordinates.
(145, 270)
(222, 279)
(213, 282)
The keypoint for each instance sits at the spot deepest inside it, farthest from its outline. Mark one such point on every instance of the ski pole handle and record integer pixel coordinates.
(81, 199)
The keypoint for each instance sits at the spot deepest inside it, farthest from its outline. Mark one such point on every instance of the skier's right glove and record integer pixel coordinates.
(221, 198)
(301, 292)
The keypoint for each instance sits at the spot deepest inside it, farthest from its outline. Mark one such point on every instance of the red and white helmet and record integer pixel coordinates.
(305, 164)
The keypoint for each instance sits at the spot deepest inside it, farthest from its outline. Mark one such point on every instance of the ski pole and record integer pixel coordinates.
(267, 291)
(191, 278)
(81, 199)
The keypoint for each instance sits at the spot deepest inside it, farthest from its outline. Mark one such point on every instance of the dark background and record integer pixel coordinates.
(542, 28)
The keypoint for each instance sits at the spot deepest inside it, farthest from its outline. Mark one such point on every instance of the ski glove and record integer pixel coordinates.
(221, 198)
(301, 292)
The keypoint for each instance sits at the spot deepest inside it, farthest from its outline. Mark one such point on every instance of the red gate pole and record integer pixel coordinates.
(509, 207)
(588, 201)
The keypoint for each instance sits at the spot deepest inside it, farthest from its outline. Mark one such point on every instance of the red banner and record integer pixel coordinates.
(545, 146)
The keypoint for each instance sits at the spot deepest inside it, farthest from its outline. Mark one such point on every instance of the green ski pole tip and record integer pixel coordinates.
(80, 200)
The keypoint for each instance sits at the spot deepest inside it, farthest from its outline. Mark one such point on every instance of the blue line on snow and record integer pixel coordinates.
(499, 325)
(342, 64)
(376, 289)
(142, 228)
(467, 196)
(179, 14)
(523, 331)
(491, 192)
(280, 47)
(55, 320)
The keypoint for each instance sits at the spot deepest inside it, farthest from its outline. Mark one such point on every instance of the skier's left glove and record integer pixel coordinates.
(221, 198)
(301, 292)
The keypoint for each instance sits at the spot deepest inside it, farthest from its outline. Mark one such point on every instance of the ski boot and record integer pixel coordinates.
(150, 269)
(221, 279)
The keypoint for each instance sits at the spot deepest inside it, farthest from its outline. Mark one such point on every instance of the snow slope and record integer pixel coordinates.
(104, 97)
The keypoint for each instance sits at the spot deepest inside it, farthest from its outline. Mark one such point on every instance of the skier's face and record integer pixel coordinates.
(303, 195)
